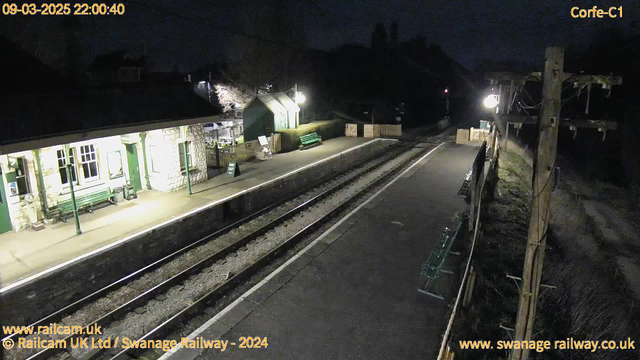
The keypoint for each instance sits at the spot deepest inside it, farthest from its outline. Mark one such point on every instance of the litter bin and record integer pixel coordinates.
(118, 194)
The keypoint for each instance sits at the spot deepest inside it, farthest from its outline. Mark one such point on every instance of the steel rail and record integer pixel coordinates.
(166, 327)
(197, 267)
(76, 305)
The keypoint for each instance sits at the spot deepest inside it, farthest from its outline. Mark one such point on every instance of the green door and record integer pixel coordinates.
(134, 168)
(5, 220)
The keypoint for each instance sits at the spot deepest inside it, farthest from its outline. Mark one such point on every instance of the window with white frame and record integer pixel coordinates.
(181, 148)
(62, 169)
(89, 160)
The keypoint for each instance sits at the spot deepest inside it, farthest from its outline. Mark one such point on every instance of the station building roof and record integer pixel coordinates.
(31, 121)
(276, 102)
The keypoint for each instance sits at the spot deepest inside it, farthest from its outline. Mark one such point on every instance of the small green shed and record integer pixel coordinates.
(268, 113)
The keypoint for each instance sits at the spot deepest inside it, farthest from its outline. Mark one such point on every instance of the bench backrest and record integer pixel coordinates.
(86, 199)
(309, 137)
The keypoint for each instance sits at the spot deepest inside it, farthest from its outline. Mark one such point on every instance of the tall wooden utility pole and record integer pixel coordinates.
(542, 182)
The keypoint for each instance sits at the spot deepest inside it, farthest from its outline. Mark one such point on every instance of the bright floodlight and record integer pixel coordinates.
(491, 101)
(300, 98)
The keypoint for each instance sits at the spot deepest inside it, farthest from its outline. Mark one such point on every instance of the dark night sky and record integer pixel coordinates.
(466, 30)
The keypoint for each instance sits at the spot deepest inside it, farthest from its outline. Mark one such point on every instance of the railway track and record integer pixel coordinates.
(246, 246)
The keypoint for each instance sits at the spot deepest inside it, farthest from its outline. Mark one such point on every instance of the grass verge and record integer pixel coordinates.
(590, 301)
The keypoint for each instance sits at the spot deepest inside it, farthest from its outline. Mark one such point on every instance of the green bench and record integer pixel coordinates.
(431, 270)
(86, 201)
(309, 140)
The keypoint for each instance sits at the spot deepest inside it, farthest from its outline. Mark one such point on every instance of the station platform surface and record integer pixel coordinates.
(352, 293)
(28, 253)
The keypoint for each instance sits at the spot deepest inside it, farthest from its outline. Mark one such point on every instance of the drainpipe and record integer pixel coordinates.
(143, 137)
(43, 191)
(73, 195)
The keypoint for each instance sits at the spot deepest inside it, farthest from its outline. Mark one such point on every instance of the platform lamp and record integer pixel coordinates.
(299, 99)
(73, 195)
(183, 131)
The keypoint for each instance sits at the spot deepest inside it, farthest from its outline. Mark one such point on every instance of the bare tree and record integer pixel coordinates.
(256, 63)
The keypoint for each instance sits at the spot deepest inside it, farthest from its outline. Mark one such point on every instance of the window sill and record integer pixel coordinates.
(191, 171)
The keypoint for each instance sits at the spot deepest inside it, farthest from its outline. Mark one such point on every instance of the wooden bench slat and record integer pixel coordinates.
(82, 201)
(310, 139)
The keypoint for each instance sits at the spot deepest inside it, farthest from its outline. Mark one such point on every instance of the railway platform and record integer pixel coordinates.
(352, 293)
(29, 254)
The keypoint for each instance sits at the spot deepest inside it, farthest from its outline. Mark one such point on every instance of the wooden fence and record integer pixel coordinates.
(373, 130)
(390, 130)
(351, 130)
(462, 137)
(479, 134)
(481, 176)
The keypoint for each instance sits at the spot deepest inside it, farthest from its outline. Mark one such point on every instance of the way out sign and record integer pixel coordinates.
(233, 169)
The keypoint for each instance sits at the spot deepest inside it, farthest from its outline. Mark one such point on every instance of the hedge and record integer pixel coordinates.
(327, 129)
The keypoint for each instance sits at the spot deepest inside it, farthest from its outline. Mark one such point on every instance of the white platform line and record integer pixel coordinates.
(229, 307)
(176, 218)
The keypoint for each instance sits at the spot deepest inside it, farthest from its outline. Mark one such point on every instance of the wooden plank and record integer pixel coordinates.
(351, 130)
(371, 131)
(462, 136)
(570, 77)
(564, 122)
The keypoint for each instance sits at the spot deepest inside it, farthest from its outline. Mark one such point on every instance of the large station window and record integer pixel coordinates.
(89, 162)
(62, 162)
(181, 148)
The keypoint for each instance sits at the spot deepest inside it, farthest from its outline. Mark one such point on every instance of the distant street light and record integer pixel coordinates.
(300, 98)
(446, 93)
(491, 101)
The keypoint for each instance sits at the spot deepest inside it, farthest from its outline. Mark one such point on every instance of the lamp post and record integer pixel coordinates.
(186, 157)
(446, 95)
(299, 99)
(73, 195)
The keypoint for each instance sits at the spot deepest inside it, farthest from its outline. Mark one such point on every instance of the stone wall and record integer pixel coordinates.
(39, 297)
(166, 175)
